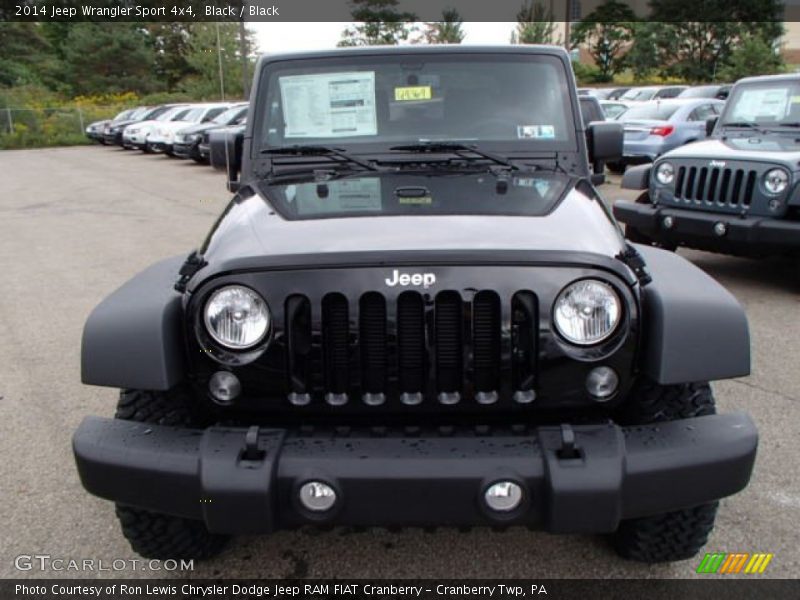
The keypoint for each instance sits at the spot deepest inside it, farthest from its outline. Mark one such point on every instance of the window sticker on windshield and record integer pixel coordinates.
(329, 105)
(536, 132)
(413, 93)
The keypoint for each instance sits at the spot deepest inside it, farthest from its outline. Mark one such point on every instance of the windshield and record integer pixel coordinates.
(227, 117)
(765, 103)
(639, 94)
(613, 110)
(362, 101)
(194, 115)
(123, 115)
(170, 114)
(705, 91)
(655, 111)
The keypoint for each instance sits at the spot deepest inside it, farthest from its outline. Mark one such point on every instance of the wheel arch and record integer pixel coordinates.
(133, 338)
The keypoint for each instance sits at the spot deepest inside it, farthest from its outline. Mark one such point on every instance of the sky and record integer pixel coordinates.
(285, 36)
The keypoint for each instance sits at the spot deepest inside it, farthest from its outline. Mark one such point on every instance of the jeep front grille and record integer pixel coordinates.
(412, 348)
(715, 186)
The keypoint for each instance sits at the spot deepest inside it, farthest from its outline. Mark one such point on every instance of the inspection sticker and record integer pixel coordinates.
(411, 93)
(536, 132)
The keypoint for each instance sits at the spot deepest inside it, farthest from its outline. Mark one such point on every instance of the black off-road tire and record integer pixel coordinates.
(679, 534)
(155, 535)
(618, 168)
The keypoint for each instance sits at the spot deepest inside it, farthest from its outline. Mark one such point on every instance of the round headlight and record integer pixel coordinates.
(776, 180)
(236, 317)
(587, 312)
(665, 173)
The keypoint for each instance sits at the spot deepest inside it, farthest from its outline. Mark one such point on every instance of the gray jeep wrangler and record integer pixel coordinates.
(417, 311)
(736, 192)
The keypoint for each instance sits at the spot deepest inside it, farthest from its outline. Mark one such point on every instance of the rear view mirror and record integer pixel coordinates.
(711, 122)
(225, 154)
(604, 140)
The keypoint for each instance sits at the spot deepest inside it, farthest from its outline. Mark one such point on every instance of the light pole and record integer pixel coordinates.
(219, 56)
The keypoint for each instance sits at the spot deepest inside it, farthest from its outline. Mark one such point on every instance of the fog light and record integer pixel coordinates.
(774, 204)
(720, 228)
(503, 496)
(224, 387)
(602, 382)
(668, 222)
(317, 496)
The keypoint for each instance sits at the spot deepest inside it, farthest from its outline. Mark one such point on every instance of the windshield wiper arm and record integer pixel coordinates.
(317, 150)
(456, 148)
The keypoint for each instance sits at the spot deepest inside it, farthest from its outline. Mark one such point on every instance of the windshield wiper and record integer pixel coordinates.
(316, 150)
(789, 124)
(458, 149)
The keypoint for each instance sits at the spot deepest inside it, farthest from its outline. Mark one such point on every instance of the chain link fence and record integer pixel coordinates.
(33, 127)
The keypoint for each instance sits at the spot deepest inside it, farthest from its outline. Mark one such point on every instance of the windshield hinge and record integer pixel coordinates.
(193, 263)
(631, 257)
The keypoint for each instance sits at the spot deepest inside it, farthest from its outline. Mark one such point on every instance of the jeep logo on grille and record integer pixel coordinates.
(717, 163)
(403, 279)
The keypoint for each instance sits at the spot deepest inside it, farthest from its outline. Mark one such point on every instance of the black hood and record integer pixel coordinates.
(252, 233)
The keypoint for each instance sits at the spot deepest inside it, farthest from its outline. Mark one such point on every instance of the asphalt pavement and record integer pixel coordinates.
(75, 223)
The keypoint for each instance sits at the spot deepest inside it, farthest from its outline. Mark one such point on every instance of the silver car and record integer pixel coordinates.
(652, 128)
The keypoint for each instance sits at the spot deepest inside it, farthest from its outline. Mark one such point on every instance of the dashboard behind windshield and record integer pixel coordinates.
(521, 101)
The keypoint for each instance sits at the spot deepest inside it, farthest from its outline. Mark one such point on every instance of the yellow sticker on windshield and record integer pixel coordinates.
(411, 93)
(795, 99)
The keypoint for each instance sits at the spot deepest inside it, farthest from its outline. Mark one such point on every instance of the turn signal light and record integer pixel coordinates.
(663, 131)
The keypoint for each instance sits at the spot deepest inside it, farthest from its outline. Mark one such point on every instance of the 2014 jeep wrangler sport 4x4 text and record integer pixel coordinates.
(417, 311)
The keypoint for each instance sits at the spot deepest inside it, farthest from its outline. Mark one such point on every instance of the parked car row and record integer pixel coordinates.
(178, 130)
(658, 92)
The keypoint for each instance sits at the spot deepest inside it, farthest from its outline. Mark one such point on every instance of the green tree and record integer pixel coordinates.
(24, 52)
(697, 38)
(378, 22)
(203, 55)
(447, 31)
(642, 57)
(108, 58)
(534, 25)
(607, 33)
(170, 44)
(753, 56)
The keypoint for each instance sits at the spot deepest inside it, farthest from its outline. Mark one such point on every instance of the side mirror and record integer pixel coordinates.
(711, 122)
(225, 154)
(604, 140)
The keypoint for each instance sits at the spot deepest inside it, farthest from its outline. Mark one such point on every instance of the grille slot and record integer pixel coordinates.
(715, 186)
(486, 341)
(372, 339)
(298, 343)
(524, 340)
(448, 340)
(411, 354)
(335, 342)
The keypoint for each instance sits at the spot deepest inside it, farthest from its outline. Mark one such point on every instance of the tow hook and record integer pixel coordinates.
(569, 450)
(251, 454)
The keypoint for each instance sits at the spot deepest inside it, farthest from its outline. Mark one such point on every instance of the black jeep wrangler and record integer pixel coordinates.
(417, 311)
(736, 192)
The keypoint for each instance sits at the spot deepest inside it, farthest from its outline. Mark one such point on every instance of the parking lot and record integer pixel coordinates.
(75, 223)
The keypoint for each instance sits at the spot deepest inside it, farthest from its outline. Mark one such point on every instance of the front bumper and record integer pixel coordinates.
(187, 150)
(159, 146)
(695, 228)
(404, 479)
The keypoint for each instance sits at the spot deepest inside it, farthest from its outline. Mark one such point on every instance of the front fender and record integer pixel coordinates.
(133, 338)
(694, 329)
